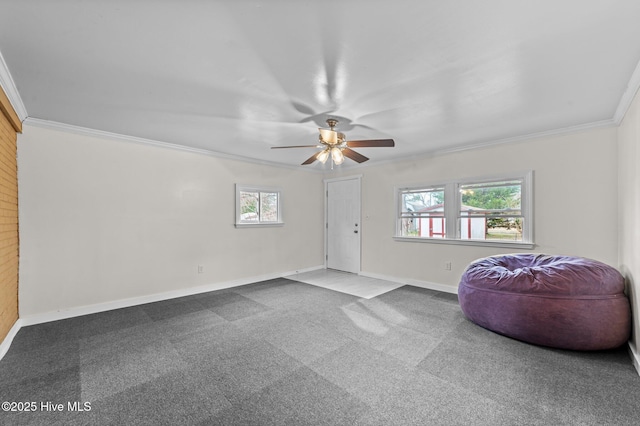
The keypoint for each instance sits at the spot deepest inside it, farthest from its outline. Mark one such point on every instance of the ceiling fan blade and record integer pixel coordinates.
(371, 143)
(311, 159)
(296, 146)
(357, 157)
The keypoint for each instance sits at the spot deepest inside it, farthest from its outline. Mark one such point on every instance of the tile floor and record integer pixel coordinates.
(345, 282)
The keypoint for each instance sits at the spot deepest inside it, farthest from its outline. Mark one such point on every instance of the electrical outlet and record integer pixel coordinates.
(447, 266)
(200, 269)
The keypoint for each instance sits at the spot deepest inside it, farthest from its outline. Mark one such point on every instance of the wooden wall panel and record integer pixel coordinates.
(8, 217)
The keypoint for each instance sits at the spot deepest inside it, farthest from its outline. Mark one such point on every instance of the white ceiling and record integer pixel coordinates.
(239, 76)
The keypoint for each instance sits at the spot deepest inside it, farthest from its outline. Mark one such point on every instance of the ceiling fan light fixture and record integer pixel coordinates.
(336, 145)
(323, 156)
(337, 156)
(328, 136)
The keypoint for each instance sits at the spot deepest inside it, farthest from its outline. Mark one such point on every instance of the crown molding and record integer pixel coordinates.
(85, 131)
(10, 89)
(488, 143)
(627, 97)
(547, 133)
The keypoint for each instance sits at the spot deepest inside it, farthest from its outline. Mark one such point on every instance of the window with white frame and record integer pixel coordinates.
(494, 210)
(422, 212)
(258, 206)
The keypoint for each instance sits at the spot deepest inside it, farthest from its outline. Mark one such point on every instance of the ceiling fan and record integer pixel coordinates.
(335, 145)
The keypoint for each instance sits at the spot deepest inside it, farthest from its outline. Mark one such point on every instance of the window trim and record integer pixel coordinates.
(257, 188)
(451, 211)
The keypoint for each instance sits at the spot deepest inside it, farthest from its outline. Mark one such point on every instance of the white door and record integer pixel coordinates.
(343, 225)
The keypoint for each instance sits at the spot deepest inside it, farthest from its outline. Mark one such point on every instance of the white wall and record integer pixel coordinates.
(575, 202)
(103, 220)
(629, 210)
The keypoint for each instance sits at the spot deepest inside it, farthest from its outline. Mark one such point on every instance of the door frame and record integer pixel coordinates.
(326, 216)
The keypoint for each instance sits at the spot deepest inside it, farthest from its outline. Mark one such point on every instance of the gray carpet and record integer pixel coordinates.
(286, 353)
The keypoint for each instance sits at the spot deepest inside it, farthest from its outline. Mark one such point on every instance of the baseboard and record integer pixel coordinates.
(302, 271)
(134, 301)
(8, 339)
(157, 297)
(635, 357)
(416, 283)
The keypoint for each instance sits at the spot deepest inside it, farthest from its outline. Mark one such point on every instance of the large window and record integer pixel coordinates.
(258, 206)
(490, 211)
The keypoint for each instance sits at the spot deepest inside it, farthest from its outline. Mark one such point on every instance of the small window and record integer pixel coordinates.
(422, 213)
(491, 211)
(258, 206)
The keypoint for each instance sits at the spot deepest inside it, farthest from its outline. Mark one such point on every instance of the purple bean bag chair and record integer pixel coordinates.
(557, 301)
